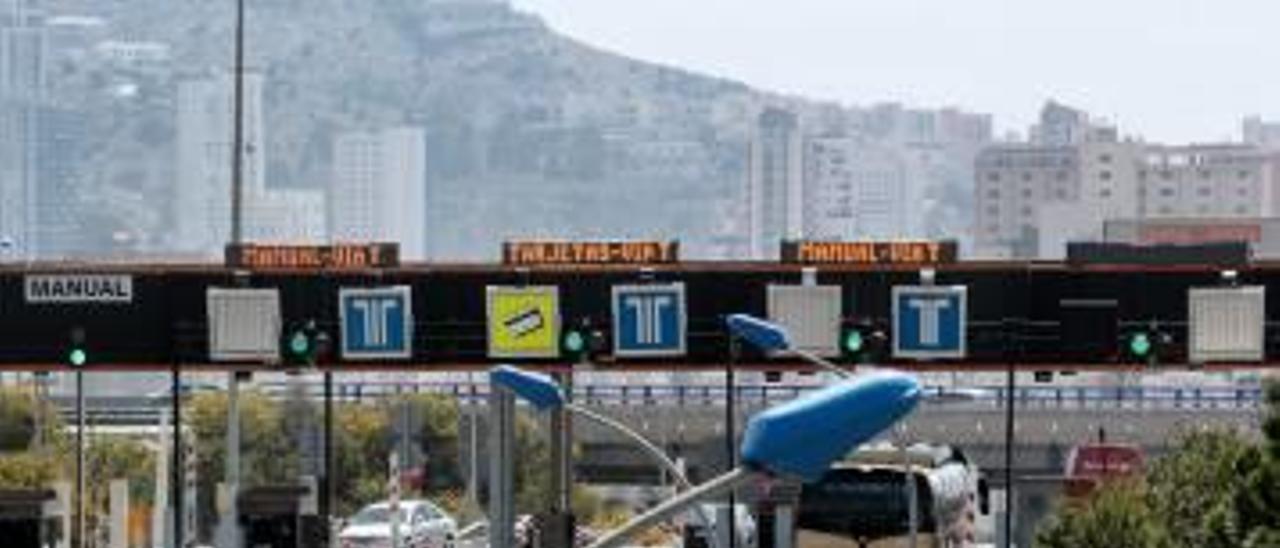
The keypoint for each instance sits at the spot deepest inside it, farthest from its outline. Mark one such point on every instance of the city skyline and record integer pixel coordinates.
(587, 125)
(997, 56)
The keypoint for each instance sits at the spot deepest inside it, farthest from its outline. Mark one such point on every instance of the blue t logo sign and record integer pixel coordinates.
(929, 322)
(377, 323)
(648, 320)
(648, 312)
(930, 317)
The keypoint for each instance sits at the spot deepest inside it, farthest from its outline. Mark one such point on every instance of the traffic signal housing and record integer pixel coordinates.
(1147, 346)
(583, 342)
(863, 343)
(77, 355)
(304, 345)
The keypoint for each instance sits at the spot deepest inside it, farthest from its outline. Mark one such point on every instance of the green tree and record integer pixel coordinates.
(533, 465)
(1187, 488)
(267, 456)
(437, 417)
(1115, 516)
(28, 470)
(110, 458)
(361, 449)
(1257, 502)
(20, 411)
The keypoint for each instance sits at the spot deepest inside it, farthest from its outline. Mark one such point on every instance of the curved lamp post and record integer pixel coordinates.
(545, 394)
(771, 337)
(800, 439)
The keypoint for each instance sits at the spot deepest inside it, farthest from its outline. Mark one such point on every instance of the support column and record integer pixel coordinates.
(328, 491)
(557, 527)
(80, 532)
(162, 516)
(502, 441)
(178, 464)
(229, 526)
(119, 506)
(784, 528)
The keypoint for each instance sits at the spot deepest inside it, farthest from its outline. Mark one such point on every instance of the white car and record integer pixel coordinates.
(696, 534)
(422, 525)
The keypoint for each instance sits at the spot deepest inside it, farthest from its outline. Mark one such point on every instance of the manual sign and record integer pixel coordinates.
(79, 288)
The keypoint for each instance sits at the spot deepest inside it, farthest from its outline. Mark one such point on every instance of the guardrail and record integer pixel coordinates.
(145, 411)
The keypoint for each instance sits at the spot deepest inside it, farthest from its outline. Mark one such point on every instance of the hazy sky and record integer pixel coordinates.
(1171, 70)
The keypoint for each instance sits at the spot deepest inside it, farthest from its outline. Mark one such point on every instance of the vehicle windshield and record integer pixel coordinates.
(377, 514)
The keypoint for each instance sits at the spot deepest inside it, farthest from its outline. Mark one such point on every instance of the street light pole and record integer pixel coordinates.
(730, 448)
(237, 139)
(1009, 418)
(178, 463)
(329, 494)
(230, 529)
(80, 460)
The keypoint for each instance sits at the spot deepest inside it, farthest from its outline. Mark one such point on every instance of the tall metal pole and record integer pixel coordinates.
(730, 433)
(913, 503)
(473, 475)
(502, 457)
(230, 527)
(80, 460)
(176, 473)
(237, 139)
(237, 197)
(329, 494)
(1009, 402)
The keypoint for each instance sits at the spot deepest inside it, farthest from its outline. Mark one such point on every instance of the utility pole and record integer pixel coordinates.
(237, 196)
(730, 439)
(237, 138)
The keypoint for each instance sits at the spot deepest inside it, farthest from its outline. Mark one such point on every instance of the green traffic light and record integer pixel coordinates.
(299, 343)
(853, 341)
(574, 342)
(1140, 344)
(77, 357)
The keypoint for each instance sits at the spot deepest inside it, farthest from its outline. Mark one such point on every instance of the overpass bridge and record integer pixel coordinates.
(689, 420)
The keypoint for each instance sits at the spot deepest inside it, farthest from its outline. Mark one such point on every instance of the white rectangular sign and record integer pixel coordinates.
(1226, 324)
(244, 324)
(79, 288)
(811, 313)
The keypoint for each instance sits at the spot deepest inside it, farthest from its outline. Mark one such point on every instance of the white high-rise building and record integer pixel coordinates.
(23, 52)
(1014, 182)
(291, 216)
(775, 186)
(1200, 181)
(202, 201)
(857, 190)
(378, 190)
(1032, 200)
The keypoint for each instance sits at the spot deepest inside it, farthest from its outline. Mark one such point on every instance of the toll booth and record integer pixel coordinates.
(31, 519)
(281, 516)
(774, 503)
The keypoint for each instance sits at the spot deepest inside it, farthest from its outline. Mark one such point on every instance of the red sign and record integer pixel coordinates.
(313, 257)
(603, 252)
(1104, 461)
(1187, 234)
(905, 252)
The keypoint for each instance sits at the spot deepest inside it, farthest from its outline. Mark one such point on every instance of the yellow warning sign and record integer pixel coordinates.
(524, 322)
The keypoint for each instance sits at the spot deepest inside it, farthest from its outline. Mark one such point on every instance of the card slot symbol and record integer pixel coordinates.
(524, 323)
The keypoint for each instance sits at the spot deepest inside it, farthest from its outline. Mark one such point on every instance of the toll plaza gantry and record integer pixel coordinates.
(633, 306)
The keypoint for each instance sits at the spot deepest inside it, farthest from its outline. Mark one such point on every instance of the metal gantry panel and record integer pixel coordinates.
(167, 317)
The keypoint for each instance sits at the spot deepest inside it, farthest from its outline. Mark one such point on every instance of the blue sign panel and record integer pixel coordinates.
(929, 322)
(377, 323)
(648, 320)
